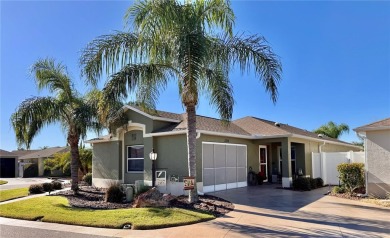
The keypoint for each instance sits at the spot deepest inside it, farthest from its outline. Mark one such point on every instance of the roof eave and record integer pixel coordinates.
(127, 107)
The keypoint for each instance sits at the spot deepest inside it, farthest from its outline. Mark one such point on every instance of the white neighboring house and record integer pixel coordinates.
(37, 157)
(377, 148)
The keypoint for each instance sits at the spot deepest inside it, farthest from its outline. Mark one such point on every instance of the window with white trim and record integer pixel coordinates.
(135, 158)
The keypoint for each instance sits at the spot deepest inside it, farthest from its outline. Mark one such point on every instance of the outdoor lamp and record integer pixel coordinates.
(153, 157)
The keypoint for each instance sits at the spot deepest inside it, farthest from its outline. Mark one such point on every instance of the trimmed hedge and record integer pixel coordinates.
(337, 189)
(35, 188)
(57, 185)
(351, 176)
(47, 187)
(302, 183)
(30, 171)
(114, 194)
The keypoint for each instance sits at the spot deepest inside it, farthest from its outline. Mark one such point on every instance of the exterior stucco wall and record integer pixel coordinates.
(106, 160)
(133, 138)
(378, 162)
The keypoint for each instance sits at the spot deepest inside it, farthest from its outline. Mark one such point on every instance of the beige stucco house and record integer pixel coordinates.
(377, 147)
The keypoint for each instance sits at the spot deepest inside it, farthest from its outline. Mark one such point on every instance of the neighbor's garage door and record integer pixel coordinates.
(224, 166)
(7, 167)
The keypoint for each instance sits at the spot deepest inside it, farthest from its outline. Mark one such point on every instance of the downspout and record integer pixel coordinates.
(364, 138)
(198, 134)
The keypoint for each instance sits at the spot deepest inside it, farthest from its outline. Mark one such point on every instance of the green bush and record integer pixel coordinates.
(66, 169)
(57, 185)
(47, 187)
(351, 176)
(337, 189)
(302, 184)
(30, 171)
(35, 188)
(319, 182)
(114, 194)
(88, 178)
(313, 183)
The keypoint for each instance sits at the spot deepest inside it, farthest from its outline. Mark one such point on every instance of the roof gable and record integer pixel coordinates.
(378, 125)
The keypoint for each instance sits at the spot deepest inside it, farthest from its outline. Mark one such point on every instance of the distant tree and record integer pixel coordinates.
(332, 130)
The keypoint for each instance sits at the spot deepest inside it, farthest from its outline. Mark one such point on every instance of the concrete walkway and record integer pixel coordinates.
(264, 211)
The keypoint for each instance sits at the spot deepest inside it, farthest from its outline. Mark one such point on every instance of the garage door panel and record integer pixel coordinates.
(231, 155)
(208, 156)
(231, 175)
(220, 176)
(219, 156)
(241, 174)
(208, 177)
(241, 156)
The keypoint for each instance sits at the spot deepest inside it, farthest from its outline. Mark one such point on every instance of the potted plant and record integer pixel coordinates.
(261, 177)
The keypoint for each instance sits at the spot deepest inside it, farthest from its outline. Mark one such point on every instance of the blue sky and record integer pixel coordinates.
(335, 56)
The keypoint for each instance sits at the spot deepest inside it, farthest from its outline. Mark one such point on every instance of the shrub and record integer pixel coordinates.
(47, 187)
(66, 169)
(319, 182)
(313, 183)
(351, 176)
(114, 194)
(57, 185)
(337, 189)
(30, 170)
(88, 178)
(35, 188)
(302, 183)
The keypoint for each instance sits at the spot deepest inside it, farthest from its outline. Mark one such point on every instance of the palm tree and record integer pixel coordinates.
(168, 40)
(332, 130)
(76, 114)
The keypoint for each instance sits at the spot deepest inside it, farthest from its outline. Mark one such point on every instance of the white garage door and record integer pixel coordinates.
(224, 166)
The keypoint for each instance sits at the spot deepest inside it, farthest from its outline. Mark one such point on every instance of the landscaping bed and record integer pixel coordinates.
(3, 182)
(93, 198)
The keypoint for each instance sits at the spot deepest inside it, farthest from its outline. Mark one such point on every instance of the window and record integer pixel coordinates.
(135, 158)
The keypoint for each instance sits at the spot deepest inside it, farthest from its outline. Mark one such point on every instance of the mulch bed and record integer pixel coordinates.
(93, 198)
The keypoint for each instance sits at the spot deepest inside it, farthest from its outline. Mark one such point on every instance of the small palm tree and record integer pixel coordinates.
(75, 113)
(169, 40)
(332, 130)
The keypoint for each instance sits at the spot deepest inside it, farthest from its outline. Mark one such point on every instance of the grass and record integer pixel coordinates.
(56, 209)
(3, 182)
(13, 193)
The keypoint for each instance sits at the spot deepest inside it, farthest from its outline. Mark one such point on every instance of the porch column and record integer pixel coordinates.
(286, 156)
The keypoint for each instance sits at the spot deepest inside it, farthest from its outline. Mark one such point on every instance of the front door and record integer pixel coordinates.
(263, 160)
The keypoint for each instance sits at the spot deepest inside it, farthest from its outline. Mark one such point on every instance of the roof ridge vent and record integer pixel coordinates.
(277, 124)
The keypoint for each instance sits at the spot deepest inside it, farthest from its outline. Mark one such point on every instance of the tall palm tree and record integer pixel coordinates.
(75, 113)
(332, 130)
(192, 43)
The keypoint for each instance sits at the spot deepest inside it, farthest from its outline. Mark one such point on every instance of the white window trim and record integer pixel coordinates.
(127, 159)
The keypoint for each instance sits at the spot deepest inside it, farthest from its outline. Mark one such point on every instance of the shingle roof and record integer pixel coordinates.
(247, 126)
(206, 124)
(258, 126)
(4, 153)
(23, 152)
(385, 123)
(45, 153)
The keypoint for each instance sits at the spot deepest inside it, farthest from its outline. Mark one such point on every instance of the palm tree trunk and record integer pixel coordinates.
(191, 145)
(74, 165)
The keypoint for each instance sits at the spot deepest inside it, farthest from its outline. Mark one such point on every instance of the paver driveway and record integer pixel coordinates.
(265, 211)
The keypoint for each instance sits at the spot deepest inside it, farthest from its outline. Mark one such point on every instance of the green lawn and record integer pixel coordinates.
(3, 182)
(13, 193)
(57, 209)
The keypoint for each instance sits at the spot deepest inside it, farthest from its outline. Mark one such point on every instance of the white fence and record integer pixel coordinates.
(324, 164)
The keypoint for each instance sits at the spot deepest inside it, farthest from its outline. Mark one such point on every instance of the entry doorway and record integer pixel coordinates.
(263, 161)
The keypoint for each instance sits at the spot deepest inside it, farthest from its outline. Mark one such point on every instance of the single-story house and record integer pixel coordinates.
(224, 153)
(8, 164)
(377, 148)
(38, 157)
